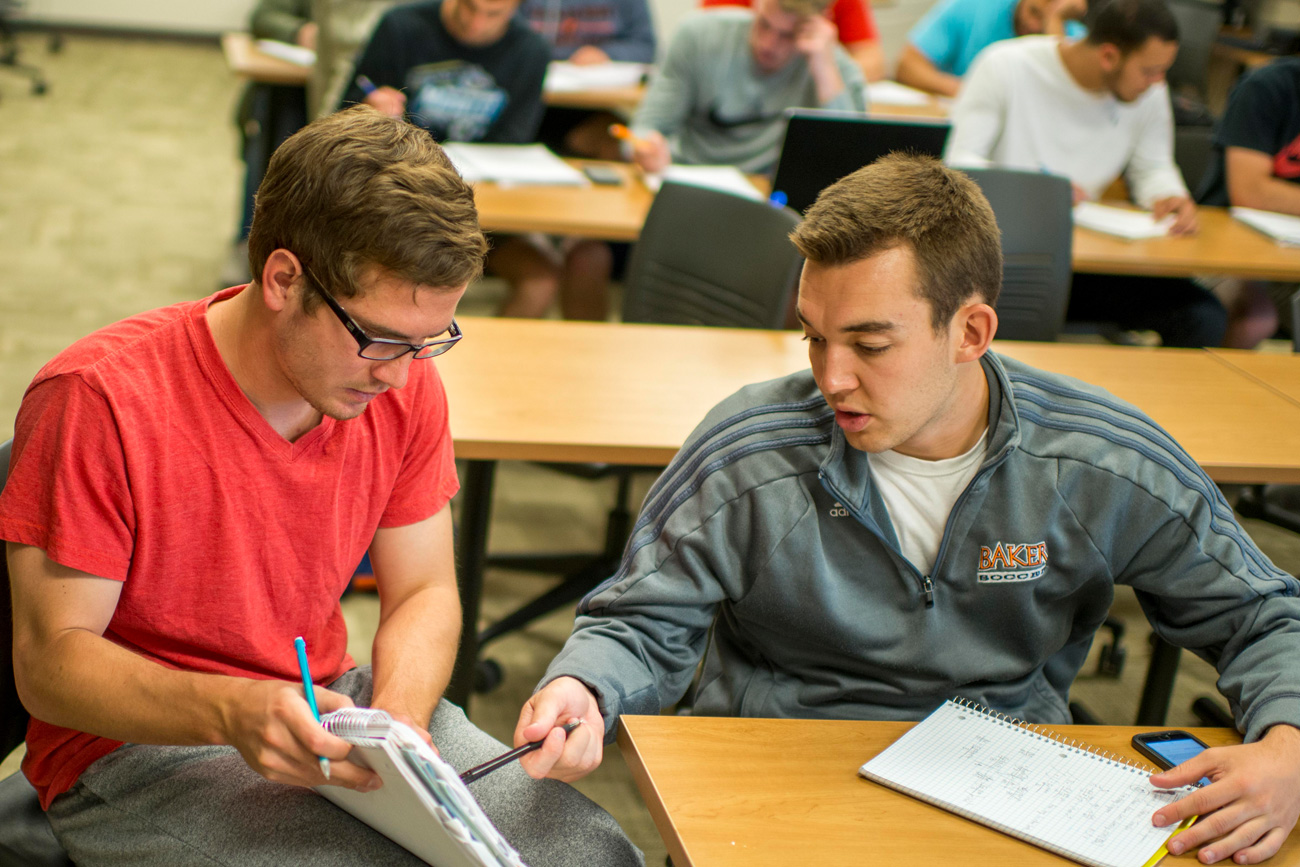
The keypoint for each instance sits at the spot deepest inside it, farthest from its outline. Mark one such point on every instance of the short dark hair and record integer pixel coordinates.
(917, 201)
(1128, 24)
(358, 189)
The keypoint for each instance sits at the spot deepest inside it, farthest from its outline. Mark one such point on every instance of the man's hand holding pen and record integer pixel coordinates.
(561, 757)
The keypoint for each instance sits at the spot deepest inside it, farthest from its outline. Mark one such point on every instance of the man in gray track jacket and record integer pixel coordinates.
(918, 518)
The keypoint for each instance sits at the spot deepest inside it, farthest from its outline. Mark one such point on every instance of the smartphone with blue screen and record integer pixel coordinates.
(1167, 749)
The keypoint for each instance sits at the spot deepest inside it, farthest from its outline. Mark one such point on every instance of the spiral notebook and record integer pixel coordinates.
(1091, 807)
(422, 806)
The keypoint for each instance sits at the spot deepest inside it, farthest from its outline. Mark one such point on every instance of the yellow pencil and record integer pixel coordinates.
(1164, 850)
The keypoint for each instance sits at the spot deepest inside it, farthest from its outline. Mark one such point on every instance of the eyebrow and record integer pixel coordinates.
(868, 326)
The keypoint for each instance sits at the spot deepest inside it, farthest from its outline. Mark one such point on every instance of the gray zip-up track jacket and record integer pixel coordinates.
(766, 541)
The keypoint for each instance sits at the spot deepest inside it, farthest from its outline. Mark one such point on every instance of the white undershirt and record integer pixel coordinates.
(919, 494)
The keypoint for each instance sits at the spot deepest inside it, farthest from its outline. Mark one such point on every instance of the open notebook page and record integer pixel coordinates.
(1060, 797)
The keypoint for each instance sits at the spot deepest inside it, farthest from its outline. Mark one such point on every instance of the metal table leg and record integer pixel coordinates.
(471, 551)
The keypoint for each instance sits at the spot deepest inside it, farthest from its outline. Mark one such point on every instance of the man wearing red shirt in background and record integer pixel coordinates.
(192, 487)
(857, 32)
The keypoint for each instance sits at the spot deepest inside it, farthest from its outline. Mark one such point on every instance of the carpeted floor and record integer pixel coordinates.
(119, 191)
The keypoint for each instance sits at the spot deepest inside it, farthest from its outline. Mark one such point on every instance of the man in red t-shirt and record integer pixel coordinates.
(191, 488)
(857, 32)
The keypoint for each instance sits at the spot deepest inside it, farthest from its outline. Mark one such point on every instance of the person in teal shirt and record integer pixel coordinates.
(943, 43)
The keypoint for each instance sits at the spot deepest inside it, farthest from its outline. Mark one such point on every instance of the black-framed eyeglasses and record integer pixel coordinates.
(382, 348)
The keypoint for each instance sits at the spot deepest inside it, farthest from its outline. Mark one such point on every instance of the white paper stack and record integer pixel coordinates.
(1121, 222)
(295, 54)
(725, 179)
(1283, 228)
(517, 165)
(564, 77)
(893, 93)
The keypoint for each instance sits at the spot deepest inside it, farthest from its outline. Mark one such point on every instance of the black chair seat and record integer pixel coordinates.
(25, 836)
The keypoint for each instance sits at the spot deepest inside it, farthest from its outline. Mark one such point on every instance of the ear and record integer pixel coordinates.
(1110, 57)
(280, 275)
(973, 328)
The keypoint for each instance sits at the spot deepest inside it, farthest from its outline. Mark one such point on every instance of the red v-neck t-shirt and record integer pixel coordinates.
(137, 458)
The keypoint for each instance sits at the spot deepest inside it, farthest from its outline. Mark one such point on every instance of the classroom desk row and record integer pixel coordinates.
(728, 792)
(630, 394)
(617, 213)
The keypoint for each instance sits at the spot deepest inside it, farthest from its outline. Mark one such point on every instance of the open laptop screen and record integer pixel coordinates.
(823, 146)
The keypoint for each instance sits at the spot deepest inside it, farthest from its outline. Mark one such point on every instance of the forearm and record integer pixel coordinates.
(826, 77)
(916, 70)
(1265, 194)
(82, 681)
(414, 651)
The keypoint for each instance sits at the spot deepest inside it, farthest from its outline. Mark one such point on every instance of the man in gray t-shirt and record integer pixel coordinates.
(729, 76)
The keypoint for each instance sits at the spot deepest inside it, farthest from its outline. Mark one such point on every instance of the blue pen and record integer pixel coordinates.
(301, 646)
(367, 86)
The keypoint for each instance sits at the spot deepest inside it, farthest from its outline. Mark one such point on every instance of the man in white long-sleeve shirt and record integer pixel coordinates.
(1091, 110)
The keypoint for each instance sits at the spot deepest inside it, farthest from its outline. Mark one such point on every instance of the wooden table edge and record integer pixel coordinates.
(654, 804)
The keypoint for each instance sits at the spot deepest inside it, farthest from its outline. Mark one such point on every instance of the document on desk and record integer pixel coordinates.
(512, 165)
(422, 806)
(1121, 222)
(1060, 795)
(724, 179)
(295, 54)
(893, 93)
(565, 77)
(1283, 228)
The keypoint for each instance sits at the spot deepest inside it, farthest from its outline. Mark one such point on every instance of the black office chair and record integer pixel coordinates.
(704, 258)
(9, 48)
(1198, 26)
(25, 836)
(1193, 151)
(1033, 213)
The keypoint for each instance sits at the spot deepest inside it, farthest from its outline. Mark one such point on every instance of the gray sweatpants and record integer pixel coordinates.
(176, 806)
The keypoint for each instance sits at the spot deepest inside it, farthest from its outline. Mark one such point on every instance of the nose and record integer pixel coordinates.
(393, 373)
(836, 374)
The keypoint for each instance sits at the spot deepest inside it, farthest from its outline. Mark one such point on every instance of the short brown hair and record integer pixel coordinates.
(359, 189)
(804, 8)
(907, 199)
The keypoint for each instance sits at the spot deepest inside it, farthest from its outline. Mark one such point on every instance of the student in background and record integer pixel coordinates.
(944, 43)
(469, 71)
(721, 93)
(1090, 110)
(855, 27)
(229, 460)
(267, 114)
(917, 518)
(1256, 164)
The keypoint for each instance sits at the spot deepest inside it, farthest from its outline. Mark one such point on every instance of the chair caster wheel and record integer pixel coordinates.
(487, 675)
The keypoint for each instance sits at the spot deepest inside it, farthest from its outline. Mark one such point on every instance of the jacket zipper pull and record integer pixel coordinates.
(928, 586)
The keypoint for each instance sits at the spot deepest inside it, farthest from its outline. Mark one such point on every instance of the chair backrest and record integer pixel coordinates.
(1198, 27)
(1193, 150)
(13, 716)
(344, 29)
(1033, 213)
(711, 258)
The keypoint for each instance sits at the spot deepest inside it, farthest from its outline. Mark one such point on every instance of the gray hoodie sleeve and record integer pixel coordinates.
(1205, 586)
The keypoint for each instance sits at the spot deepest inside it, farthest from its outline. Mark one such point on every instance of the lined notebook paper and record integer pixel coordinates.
(1121, 222)
(1063, 797)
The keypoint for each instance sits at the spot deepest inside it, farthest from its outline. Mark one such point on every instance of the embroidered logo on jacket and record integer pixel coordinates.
(1012, 561)
(838, 511)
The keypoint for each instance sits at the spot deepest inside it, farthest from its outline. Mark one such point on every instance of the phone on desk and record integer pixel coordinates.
(1167, 749)
(603, 175)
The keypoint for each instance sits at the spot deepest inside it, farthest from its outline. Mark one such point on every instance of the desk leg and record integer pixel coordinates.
(1159, 687)
(471, 550)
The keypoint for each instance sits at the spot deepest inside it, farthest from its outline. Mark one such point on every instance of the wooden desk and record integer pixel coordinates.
(631, 394)
(245, 60)
(1223, 246)
(620, 100)
(757, 792)
(616, 213)
(1278, 371)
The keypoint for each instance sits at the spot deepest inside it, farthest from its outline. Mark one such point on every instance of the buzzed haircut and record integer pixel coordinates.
(1128, 24)
(358, 189)
(912, 200)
